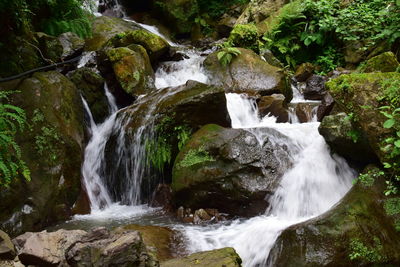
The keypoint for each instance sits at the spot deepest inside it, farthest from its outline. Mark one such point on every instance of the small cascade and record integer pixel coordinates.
(94, 153)
(305, 190)
(174, 73)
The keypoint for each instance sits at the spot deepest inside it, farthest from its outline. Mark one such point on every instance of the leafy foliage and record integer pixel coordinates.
(195, 156)
(369, 254)
(51, 16)
(315, 31)
(391, 145)
(12, 120)
(226, 55)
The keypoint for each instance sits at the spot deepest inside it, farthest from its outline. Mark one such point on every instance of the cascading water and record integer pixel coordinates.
(305, 190)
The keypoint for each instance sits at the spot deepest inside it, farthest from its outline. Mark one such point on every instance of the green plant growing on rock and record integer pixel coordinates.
(12, 121)
(360, 251)
(392, 208)
(391, 145)
(195, 156)
(226, 55)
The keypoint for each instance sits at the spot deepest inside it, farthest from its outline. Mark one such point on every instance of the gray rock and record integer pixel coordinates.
(7, 250)
(225, 168)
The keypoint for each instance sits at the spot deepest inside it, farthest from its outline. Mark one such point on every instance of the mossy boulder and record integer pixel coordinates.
(224, 169)
(345, 139)
(359, 94)
(52, 145)
(104, 28)
(248, 73)
(219, 257)
(154, 44)
(91, 86)
(19, 55)
(159, 240)
(259, 10)
(132, 69)
(157, 123)
(244, 35)
(356, 232)
(179, 14)
(385, 62)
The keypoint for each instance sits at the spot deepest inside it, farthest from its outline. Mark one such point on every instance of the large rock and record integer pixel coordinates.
(356, 232)
(359, 94)
(103, 248)
(63, 47)
(315, 87)
(274, 105)
(132, 69)
(46, 249)
(179, 14)
(159, 240)
(91, 86)
(7, 250)
(52, 146)
(259, 10)
(154, 44)
(385, 62)
(226, 257)
(104, 28)
(19, 55)
(345, 139)
(226, 168)
(248, 73)
(157, 125)
(98, 247)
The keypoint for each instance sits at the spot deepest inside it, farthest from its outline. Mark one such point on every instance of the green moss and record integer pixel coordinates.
(361, 251)
(195, 156)
(385, 62)
(244, 35)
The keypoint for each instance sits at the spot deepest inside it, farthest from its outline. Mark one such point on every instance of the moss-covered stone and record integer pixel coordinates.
(359, 94)
(210, 172)
(154, 44)
(180, 14)
(132, 69)
(385, 62)
(248, 73)
(244, 35)
(104, 28)
(91, 86)
(356, 232)
(259, 10)
(159, 240)
(226, 257)
(52, 146)
(345, 139)
(19, 55)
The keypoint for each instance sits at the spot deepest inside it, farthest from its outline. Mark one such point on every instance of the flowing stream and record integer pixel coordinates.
(316, 181)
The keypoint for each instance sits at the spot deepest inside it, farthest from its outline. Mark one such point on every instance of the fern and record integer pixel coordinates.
(226, 55)
(12, 120)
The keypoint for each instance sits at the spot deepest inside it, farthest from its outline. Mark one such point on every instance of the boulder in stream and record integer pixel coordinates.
(356, 232)
(226, 168)
(132, 69)
(226, 257)
(248, 73)
(360, 94)
(52, 146)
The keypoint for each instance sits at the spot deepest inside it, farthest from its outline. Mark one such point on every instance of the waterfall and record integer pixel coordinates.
(305, 190)
(316, 181)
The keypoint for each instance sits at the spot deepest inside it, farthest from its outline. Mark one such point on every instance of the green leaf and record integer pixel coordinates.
(387, 165)
(397, 143)
(389, 123)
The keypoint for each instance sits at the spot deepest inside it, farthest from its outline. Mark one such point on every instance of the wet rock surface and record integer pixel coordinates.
(226, 168)
(248, 73)
(56, 131)
(331, 239)
(219, 257)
